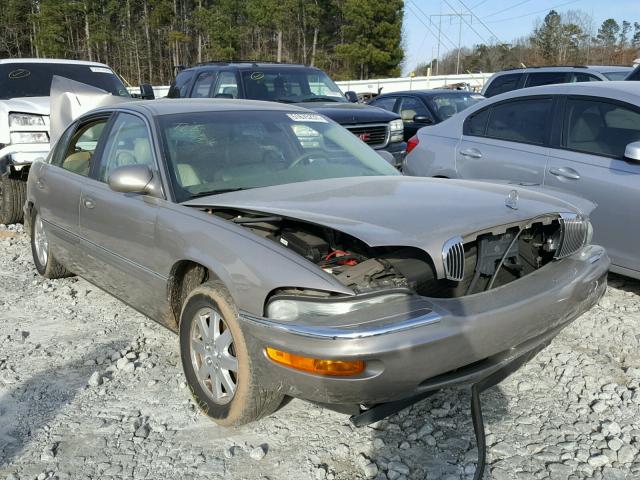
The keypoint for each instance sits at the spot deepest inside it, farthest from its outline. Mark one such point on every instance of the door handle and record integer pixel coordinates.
(565, 172)
(471, 153)
(88, 203)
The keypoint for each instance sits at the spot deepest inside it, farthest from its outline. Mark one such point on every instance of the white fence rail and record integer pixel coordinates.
(388, 85)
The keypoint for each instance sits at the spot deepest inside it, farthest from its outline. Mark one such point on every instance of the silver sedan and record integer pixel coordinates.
(579, 138)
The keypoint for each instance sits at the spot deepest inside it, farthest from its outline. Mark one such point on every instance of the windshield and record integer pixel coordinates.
(619, 75)
(214, 152)
(34, 79)
(291, 86)
(448, 104)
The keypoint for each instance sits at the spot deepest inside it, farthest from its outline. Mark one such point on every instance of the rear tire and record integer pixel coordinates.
(216, 362)
(46, 264)
(13, 194)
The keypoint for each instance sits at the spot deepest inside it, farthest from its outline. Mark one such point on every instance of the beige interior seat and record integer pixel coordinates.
(187, 176)
(78, 162)
(407, 115)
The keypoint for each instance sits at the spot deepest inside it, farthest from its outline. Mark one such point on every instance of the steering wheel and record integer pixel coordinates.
(306, 156)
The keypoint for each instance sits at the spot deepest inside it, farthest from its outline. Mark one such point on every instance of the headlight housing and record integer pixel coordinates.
(289, 309)
(25, 120)
(396, 127)
(29, 137)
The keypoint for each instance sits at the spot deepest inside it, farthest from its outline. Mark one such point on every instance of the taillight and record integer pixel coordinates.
(412, 143)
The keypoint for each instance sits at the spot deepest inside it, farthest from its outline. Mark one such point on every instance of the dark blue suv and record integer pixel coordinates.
(305, 86)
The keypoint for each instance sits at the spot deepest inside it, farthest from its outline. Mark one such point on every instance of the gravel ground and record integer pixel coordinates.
(91, 389)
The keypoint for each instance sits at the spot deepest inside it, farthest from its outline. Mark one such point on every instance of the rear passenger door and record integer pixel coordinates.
(537, 79)
(118, 230)
(59, 185)
(589, 161)
(506, 141)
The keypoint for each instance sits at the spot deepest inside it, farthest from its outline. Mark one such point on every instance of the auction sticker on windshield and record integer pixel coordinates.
(306, 117)
(100, 70)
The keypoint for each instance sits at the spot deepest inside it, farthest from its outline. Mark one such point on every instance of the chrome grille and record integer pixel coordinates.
(574, 234)
(373, 135)
(453, 259)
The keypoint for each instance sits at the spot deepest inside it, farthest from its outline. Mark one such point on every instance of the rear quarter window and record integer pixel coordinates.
(503, 83)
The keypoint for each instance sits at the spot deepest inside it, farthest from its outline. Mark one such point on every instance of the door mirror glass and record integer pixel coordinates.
(131, 179)
(351, 96)
(422, 119)
(632, 152)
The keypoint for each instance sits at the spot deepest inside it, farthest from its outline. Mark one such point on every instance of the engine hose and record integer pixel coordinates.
(504, 257)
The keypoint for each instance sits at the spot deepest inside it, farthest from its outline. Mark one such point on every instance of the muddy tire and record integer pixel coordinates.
(13, 193)
(46, 264)
(216, 362)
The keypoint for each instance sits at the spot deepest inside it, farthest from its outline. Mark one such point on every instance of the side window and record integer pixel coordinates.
(600, 128)
(227, 86)
(546, 78)
(410, 107)
(476, 123)
(387, 103)
(180, 86)
(523, 121)
(79, 151)
(128, 144)
(503, 83)
(584, 77)
(203, 84)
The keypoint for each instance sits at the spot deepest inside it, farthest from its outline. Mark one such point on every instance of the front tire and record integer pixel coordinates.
(13, 193)
(216, 362)
(46, 264)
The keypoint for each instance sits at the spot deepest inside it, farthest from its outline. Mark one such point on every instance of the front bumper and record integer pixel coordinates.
(431, 343)
(398, 150)
(21, 155)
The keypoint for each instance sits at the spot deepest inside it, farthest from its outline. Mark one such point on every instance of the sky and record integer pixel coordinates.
(506, 19)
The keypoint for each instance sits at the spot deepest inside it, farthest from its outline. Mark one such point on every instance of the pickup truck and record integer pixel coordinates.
(307, 87)
(24, 118)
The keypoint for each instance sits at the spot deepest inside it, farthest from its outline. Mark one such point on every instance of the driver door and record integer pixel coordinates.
(118, 230)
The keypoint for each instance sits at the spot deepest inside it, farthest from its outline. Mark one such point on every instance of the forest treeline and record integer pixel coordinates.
(144, 39)
(571, 38)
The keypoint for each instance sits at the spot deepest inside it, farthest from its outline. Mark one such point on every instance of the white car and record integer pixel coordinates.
(24, 118)
(581, 138)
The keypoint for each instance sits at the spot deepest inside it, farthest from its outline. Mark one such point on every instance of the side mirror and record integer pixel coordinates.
(146, 92)
(351, 96)
(132, 179)
(632, 152)
(423, 119)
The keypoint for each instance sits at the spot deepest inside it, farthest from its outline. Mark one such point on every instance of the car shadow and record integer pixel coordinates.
(29, 406)
(435, 437)
(624, 283)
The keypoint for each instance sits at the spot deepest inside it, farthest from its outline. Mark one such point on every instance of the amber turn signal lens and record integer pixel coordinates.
(336, 368)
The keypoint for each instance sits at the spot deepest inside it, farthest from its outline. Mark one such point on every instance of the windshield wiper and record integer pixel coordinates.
(318, 98)
(217, 192)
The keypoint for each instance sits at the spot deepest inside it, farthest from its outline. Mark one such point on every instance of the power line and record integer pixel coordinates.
(506, 9)
(478, 4)
(534, 13)
(478, 19)
(413, 8)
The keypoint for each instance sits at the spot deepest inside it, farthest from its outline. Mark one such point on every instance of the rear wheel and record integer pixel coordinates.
(45, 262)
(13, 193)
(216, 362)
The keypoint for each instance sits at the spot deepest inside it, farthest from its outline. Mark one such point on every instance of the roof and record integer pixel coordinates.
(621, 90)
(570, 68)
(170, 106)
(50, 60)
(249, 64)
(429, 93)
